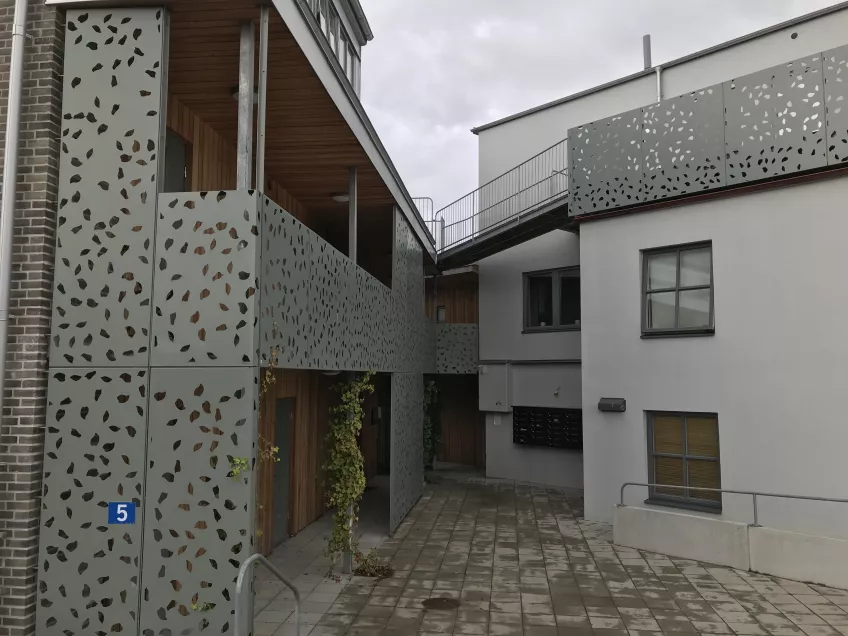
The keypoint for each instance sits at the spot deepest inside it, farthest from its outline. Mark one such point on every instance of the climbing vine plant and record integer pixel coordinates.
(432, 432)
(345, 466)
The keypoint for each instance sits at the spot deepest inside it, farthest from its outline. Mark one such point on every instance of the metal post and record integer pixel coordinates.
(347, 557)
(756, 512)
(353, 195)
(659, 84)
(10, 179)
(646, 50)
(264, 21)
(442, 222)
(244, 165)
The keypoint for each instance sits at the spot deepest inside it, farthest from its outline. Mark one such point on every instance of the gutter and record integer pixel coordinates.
(362, 20)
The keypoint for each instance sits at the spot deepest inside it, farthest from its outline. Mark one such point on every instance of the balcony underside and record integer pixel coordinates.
(507, 234)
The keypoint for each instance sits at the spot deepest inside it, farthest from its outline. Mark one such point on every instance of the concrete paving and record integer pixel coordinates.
(521, 560)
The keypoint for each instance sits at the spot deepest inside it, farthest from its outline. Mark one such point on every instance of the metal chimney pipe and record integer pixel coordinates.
(646, 50)
(10, 179)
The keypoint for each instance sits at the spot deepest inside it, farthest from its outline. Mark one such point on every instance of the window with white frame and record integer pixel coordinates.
(340, 41)
(552, 300)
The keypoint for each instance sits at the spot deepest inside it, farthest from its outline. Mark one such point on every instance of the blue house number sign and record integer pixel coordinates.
(121, 512)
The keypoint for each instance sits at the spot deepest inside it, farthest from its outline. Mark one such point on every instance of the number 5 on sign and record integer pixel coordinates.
(121, 513)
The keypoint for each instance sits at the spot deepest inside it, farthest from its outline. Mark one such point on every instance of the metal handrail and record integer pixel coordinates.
(511, 196)
(754, 494)
(240, 588)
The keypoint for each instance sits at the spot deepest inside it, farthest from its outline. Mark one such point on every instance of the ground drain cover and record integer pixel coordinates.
(441, 603)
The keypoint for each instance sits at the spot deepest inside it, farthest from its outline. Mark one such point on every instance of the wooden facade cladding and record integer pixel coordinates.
(313, 396)
(213, 160)
(459, 298)
(463, 424)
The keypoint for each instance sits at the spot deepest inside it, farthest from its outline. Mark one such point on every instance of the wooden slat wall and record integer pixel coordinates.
(460, 302)
(313, 398)
(463, 425)
(214, 160)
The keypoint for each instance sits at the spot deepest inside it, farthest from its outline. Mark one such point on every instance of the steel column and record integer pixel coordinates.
(244, 165)
(264, 20)
(353, 194)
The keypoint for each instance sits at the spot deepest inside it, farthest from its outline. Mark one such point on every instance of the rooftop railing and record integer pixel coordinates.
(526, 188)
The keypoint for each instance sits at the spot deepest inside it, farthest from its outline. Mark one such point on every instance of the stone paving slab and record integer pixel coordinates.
(522, 561)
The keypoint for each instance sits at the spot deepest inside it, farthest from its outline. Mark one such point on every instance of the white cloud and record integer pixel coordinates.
(436, 68)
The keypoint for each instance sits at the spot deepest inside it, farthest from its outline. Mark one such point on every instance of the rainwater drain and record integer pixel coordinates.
(441, 604)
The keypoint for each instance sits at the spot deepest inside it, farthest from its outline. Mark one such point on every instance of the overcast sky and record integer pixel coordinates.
(436, 68)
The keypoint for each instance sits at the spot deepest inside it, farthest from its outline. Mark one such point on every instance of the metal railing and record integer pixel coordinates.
(242, 575)
(434, 225)
(539, 180)
(752, 493)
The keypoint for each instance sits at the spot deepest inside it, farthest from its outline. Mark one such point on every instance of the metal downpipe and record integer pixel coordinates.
(10, 180)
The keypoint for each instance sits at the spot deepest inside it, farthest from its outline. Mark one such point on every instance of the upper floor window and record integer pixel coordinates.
(677, 291)
(340, 41)
(552, 300)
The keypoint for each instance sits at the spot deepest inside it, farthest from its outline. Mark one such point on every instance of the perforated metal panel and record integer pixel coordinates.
(775, 121)
(207, 268)
(836, 103)
(107, 187)
(285, 278)
(605, 159)
(199, 517)
(412, 335)
(456, 348)
(325, 298)
(94, 454)
(683, 144)
(407, 452)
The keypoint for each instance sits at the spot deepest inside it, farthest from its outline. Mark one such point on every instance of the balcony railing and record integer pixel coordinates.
(526, 188)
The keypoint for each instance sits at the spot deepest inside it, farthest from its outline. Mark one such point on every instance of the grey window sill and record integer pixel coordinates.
(685, 505)
(678, 333)
(550, 329)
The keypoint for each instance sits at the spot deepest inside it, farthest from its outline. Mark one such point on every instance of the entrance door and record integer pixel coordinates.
(282, 440)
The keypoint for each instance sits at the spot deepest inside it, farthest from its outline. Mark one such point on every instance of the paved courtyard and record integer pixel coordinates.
(521, 560)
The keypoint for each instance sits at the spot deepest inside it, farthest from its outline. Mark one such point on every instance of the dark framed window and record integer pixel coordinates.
(677, 291)
(683, 450)
(552, 300)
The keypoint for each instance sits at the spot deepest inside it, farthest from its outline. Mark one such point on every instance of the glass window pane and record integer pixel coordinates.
(669, 470)
(660, 308)
(706, 475)
(540, 301)
(695, 267)
(662, 270)
(695, 308)
(569, 299)
(668, 434)
(702, 436)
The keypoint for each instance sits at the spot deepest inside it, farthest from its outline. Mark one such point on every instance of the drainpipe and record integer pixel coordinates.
(10, 179)
(659, 84)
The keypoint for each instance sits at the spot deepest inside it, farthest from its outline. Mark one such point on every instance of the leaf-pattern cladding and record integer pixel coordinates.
(107, 187)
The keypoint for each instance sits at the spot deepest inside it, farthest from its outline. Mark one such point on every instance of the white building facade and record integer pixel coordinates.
(715, 316)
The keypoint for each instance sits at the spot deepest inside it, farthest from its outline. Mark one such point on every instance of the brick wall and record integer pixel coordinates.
(21, 435)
